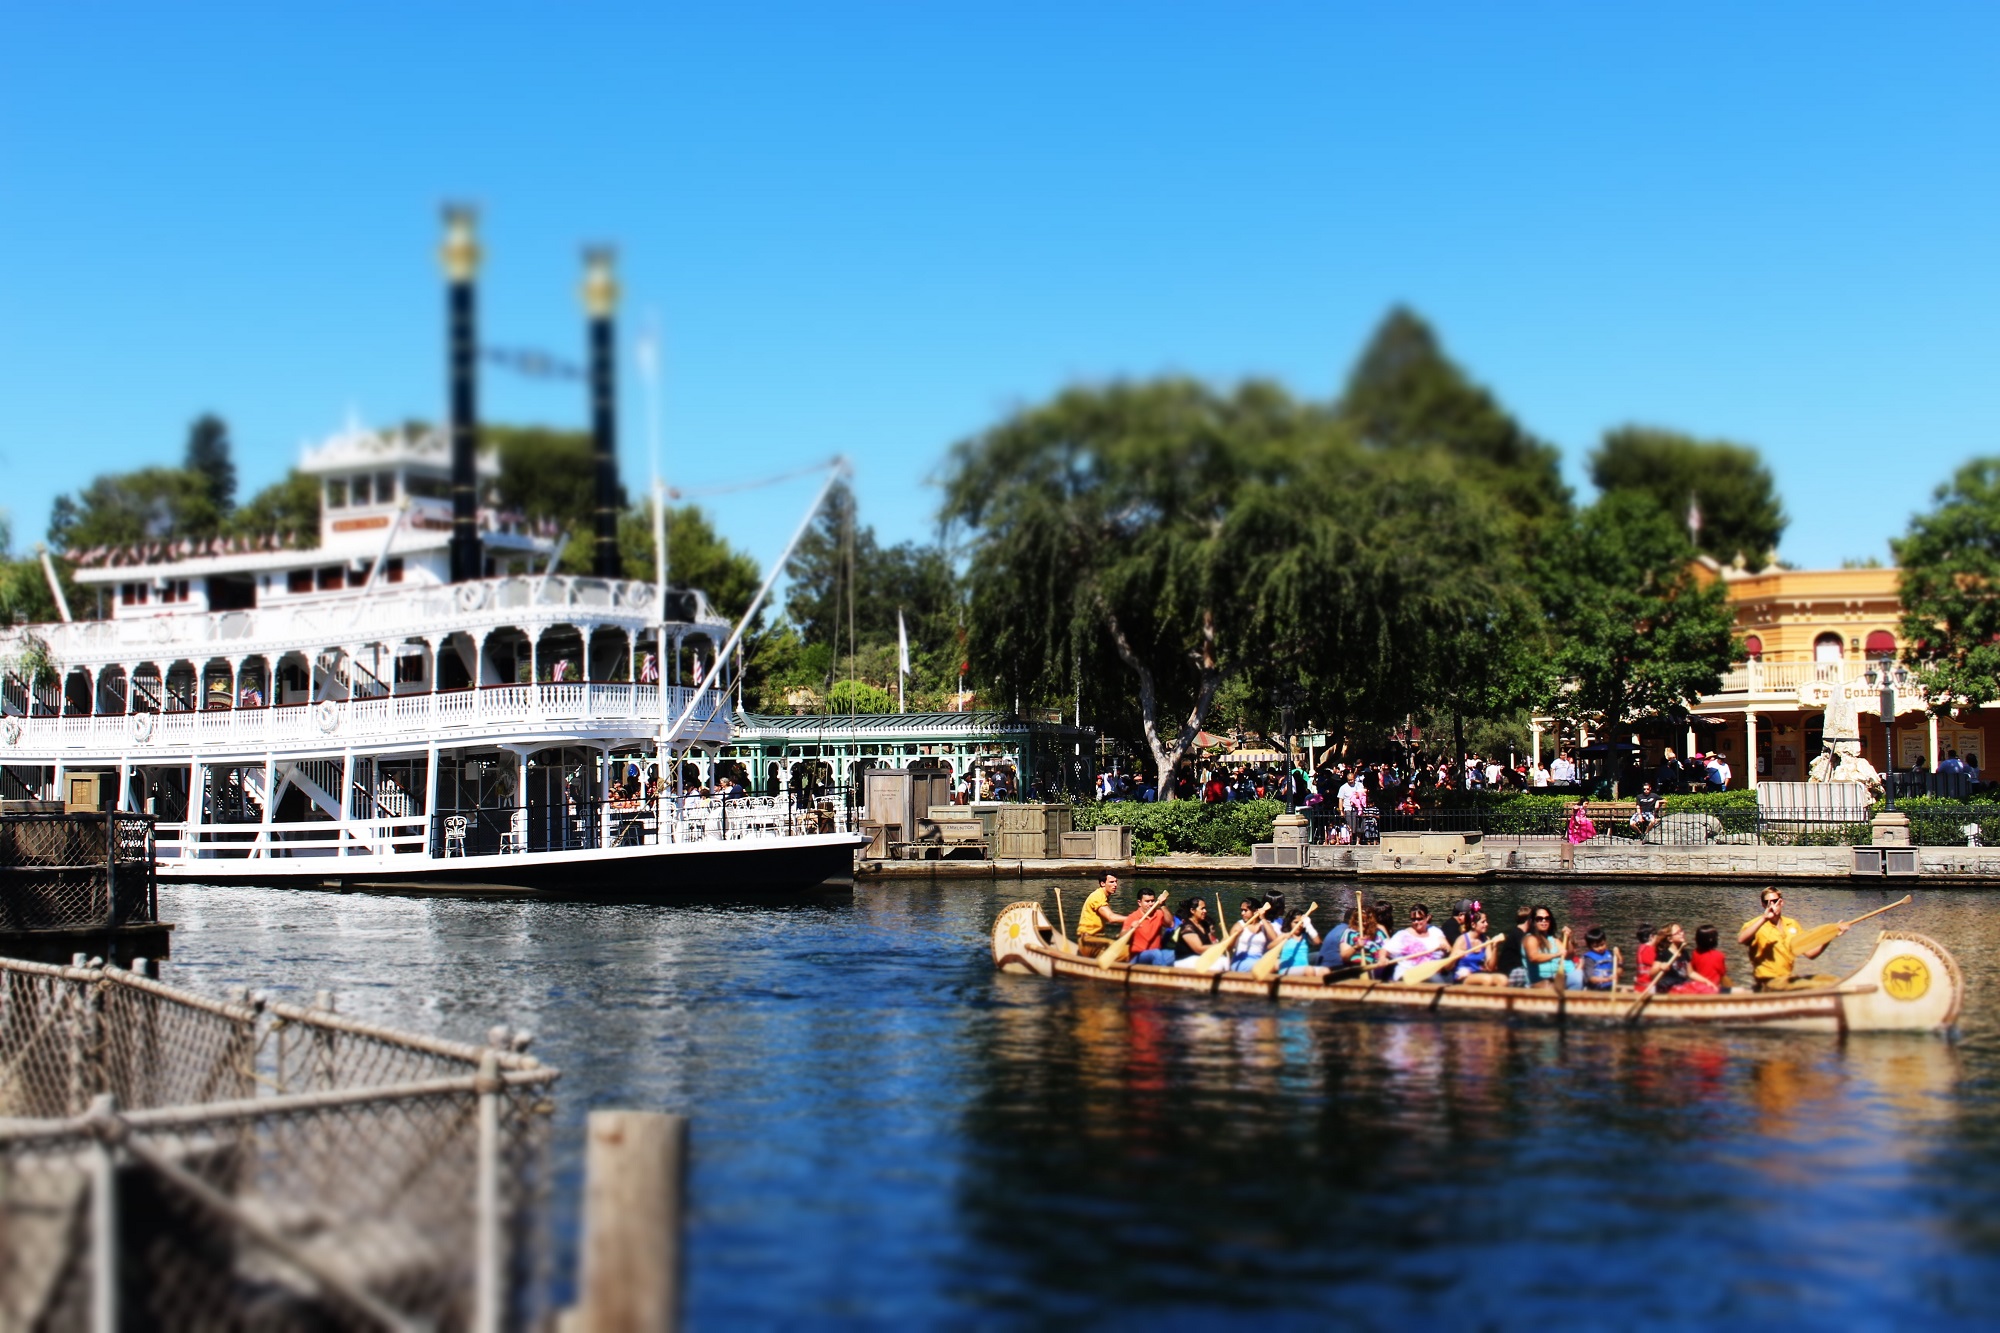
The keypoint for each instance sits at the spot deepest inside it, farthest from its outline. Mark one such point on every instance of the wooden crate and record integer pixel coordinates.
(1114, 842)
(1023, 847)
(1079, 846)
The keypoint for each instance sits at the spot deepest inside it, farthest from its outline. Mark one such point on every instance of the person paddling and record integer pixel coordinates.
(1768, 939)
(1097, 916)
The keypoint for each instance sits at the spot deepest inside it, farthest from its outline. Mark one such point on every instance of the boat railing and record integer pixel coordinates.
(397, 610)
(509, 830)
(407, 715)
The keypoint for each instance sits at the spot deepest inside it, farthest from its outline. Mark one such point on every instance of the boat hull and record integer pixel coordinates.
(1910, 983)
(698, 870)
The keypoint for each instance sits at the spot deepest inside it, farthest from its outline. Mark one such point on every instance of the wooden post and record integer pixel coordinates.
(635, 1172)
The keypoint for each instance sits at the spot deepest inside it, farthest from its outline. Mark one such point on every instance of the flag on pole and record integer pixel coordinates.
(902, 657)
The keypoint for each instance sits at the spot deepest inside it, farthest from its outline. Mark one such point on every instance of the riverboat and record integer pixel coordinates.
(1910, 983)
(415, 700)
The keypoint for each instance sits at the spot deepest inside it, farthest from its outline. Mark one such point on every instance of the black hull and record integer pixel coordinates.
(683, 876)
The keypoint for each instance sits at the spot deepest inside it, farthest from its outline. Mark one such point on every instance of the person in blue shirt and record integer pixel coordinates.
(1601, 962)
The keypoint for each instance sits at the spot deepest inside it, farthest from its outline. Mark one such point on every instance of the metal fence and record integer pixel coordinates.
(172, 1161)
(65, 871)
(1931, 826)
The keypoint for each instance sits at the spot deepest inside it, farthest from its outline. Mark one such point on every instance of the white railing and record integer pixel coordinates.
(448, 717)
(1810, 682)
(616, 824)
(383, 615)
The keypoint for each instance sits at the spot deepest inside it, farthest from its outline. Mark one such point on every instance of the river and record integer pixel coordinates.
(887, 1131)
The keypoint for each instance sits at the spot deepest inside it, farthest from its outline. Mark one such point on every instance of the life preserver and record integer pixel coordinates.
(12, 730)
(471, 596)
(142, 727)
(327, 714)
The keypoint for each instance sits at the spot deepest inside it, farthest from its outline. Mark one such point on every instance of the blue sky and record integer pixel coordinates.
(872, 229)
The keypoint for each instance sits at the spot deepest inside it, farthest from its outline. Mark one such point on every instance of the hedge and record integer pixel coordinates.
(1226, 828)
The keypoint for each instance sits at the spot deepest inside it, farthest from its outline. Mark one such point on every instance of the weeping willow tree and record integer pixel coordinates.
(1144, 543)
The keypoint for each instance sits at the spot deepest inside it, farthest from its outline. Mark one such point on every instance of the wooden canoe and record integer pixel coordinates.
(1910, 983)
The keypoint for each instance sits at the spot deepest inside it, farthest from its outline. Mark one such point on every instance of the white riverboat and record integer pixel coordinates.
(345, 714)
(415, 701)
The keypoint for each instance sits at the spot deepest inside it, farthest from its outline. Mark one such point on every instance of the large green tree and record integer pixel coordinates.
(1405, 394)
(288, 507)
(1636, 630)
(208, 457)
(125, 508)
(1141, 545)
(1727, 484)
(1950, 588)
(845, 592)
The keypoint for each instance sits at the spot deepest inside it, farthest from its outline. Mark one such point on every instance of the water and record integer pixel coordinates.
(886, 1131)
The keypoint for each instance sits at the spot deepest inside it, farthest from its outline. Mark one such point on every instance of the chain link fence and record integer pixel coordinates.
(171, 1161)
(62, 871)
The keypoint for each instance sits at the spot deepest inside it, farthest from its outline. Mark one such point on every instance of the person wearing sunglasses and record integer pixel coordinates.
(1768, 938)
(1544, 948)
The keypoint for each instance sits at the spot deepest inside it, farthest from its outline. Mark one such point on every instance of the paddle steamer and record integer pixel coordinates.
(416, 701)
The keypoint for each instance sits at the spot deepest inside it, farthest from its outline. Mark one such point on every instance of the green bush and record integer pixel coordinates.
(1226, 828)
(1939, 821)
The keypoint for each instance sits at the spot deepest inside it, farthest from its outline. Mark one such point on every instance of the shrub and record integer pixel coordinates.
(1227, 828)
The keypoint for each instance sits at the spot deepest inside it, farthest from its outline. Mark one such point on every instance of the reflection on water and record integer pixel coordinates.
(887, 1130)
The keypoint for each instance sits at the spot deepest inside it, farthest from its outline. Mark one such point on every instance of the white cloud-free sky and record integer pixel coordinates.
(872, 228)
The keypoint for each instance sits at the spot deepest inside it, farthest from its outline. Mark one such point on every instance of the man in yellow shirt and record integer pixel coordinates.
(1097, 915)
(1768, 937)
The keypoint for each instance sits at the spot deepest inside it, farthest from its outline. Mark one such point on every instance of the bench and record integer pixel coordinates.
(1603, 813)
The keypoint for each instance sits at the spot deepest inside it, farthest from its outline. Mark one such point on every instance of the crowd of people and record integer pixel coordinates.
(1417, 779)
(1370, 942)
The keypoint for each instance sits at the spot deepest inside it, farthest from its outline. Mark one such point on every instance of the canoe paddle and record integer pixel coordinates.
(1821, 936)
(1266, 965)
(1659, 970)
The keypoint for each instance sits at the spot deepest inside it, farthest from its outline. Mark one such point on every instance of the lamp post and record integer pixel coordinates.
(1891, 678)
(1288, 697)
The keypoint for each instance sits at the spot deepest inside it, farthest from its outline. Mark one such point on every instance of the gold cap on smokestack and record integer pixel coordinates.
(600, 288)
(461, 243)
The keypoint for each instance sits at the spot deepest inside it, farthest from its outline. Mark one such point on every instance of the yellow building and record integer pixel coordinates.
(1807, 633)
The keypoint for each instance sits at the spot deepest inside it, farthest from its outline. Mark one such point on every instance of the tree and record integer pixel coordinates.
(1636, 630)
(697, 557)
(1727, 484)
(839, 567)
(208, 457)
(1142, 545)
(1405, 394)
(1950, 588)
(858, 696)
(547, 473)
(125, 508)
(288, 508)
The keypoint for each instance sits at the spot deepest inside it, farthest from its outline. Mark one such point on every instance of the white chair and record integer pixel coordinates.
(515, 840)
(454, 834)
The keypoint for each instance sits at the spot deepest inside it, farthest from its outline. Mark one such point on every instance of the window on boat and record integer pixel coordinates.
(393, 571)
(385, 487)
(361, 489)
(332, 576)
(421, 486)
(336, 492)
(299, 580)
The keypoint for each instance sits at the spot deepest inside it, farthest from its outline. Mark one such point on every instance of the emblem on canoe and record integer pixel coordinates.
(1905, 977)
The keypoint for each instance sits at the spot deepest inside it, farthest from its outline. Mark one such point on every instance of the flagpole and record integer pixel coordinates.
(902, 658)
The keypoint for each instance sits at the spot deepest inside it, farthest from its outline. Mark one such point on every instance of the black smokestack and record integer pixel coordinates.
(461, 265)
(600, 298)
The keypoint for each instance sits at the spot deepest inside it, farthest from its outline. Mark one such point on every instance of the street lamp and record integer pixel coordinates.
(1288, 697)
(1891, 678)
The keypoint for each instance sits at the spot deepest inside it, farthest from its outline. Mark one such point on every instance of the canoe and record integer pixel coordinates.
(1910, 983)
